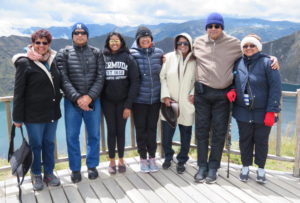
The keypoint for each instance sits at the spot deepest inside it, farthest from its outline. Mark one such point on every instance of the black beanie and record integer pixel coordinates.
(142, 32)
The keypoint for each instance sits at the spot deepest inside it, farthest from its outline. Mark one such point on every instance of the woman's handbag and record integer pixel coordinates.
(171, 113)
(20, 160)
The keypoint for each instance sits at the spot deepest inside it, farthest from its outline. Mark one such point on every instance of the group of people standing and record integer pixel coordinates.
(203, 78)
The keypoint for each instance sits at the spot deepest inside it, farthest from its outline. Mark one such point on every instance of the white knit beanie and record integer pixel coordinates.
(251, 40)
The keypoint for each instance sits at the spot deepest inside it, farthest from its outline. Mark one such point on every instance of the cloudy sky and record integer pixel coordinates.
(44, 13)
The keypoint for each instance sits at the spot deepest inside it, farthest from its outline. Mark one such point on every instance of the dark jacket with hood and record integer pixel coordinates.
(255, 76)
(121, 77)
(37, 90)
(82, 70)
(150, 63)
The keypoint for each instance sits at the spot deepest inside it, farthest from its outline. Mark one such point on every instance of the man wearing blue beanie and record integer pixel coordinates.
(215, 55)
(82, 72)
(214, 18)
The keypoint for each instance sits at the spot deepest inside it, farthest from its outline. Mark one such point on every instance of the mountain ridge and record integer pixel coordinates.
(268, 30)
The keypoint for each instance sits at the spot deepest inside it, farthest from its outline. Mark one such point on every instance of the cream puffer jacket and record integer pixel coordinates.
(177, 79)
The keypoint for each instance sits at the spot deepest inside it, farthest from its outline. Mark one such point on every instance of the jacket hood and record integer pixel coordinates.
(185, 35)
(143, 50)
(17, 56)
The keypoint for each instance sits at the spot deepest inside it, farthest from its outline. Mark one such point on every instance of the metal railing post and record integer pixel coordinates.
(278, 131)
(297, 149)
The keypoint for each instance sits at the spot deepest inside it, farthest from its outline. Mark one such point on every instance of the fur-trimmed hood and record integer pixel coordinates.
(38, 63)
(50, 60)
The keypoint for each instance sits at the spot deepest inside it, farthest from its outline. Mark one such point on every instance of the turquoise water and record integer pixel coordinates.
(288, 125)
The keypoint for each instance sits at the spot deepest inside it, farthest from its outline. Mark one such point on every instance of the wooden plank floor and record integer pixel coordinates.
(162, 186)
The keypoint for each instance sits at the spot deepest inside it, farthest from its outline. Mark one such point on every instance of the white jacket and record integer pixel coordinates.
(177, 79)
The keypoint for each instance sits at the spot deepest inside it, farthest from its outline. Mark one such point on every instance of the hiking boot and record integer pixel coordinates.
(152, 165)
(76, 176)
(211, 176)
(51, 180)
(37, 182)
(144, 165)
(92, 173)
(166, 164)
(244, 175)
(261, 176)
(180, 168)
(201, 175)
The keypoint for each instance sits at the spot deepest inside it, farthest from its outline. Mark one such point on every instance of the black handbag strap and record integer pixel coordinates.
(19, 186)
(12, 137)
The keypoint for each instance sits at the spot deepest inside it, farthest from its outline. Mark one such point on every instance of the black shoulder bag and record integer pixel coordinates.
(20, 160)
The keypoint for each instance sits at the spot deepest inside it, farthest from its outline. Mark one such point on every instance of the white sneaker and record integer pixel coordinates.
(144, 166)
(152, 165)
(244, 175)
(261, 176)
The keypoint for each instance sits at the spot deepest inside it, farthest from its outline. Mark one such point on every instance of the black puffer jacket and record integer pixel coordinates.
(82, 70)
(122, 77)
(36, 98)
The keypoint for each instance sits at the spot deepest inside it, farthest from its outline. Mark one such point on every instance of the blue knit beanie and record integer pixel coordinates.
(80, 26)
(214, 18)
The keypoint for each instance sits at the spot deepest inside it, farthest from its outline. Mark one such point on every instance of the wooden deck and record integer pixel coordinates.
(162, 186)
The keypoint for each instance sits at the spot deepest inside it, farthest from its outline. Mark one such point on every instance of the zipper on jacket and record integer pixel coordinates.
(250, 90)
(83, 63)
(149, 63)
(213, 51)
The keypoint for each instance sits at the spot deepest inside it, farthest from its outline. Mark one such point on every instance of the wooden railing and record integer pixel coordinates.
(103, 150)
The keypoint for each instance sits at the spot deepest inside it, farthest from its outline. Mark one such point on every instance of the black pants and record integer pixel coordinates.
(185, 140)
(253, 135)
(212, 113)
(113, 113)
(145, 121)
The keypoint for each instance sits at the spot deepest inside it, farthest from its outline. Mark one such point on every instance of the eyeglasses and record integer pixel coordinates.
(249, 46)
(117, 41)
(213, 25)
(39, 43)
(79, 33)
(182, 43)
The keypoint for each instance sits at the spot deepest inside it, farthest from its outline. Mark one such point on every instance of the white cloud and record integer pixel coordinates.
(29, 13)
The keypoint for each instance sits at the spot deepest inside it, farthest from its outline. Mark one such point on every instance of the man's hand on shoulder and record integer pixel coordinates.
(275, 64)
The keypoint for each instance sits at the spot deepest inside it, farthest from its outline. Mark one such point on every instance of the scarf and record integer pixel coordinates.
(33, 55)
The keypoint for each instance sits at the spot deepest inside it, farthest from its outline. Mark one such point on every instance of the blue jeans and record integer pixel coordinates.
(42, 139)
(185, 139)
(73, 120)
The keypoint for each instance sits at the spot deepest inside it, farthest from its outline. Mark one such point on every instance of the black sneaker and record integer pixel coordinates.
(166, 164)
(212, 176)
(93, 173)
(76, 176)
(201, 175)
(180, 168)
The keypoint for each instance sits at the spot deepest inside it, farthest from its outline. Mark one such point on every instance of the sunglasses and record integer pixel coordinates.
(213, 26)
(182, 43)
(39, 43)
(249, 46)
(79, 33)
(117, 41)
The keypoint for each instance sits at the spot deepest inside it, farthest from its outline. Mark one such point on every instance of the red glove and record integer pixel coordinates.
(231, 95)
(269, 119)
